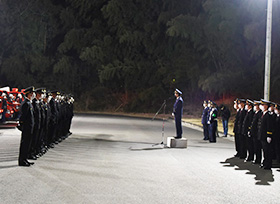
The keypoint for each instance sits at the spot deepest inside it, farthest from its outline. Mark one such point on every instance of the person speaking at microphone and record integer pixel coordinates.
(178, 112)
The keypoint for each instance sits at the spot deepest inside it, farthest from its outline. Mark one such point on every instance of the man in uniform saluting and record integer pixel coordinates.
(178, 112)
(26, 125)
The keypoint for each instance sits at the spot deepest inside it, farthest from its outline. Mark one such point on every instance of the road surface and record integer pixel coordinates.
(111, 159)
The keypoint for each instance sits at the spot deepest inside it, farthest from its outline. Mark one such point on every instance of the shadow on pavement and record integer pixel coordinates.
(149, 147)
(8, 154)
(8, 166)
(262, 177)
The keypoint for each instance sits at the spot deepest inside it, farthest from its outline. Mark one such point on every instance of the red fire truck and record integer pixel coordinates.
(9, 106)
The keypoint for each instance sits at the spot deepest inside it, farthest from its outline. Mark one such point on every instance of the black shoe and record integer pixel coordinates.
(32, 157)
(178, 137)
(23, 163)
(256, 162)
(266, 168)
(237, 155)
(248, 160)
(212, 141)
(31, 163)
(51, 145)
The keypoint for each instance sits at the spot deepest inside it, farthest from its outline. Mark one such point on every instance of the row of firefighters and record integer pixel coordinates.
(256, 129)
(45, 120)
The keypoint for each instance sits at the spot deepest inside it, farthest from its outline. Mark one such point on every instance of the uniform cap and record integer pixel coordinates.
(212, 102)
(257, 103)
(178, 91)
(272, 104)
(55, 92)
(265, 102)
(241, 101)
(40, 90)
(235, 101)
(29, 90)
(249, 102)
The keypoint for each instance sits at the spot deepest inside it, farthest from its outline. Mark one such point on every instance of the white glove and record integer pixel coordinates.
(249, 134)
(173, 114)
(268, 139)
(208, 122)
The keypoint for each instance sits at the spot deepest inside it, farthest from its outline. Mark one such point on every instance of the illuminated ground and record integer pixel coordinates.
(111, 159)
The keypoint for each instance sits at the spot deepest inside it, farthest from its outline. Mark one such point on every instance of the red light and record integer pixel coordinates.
(12, 112)
(1, 111)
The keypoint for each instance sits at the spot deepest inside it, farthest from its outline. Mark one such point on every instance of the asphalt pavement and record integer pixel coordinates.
(111, 159)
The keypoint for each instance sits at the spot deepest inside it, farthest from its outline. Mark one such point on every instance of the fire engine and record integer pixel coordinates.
(9, 104)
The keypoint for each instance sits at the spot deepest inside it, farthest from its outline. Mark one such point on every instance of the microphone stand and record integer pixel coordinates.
(163, 106)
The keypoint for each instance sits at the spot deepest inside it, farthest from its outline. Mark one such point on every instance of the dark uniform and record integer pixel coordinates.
(249, 145)
(204, 121)
(178, 112)
(265, 136)
(241, 137)
(273, 126)
(26, 124)
(236, 136)
(36, 132)
(253, 132)
(212, 121)
(41, 143)
(276, 133)
(53, 120)
(47, 111)
(70, 114)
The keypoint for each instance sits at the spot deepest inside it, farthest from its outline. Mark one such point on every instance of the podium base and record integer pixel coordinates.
(176, 143)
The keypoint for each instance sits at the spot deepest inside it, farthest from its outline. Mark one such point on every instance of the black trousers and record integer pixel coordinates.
(267, 154)
(237, 142)
(277, 148)
(34, 140)
(243, 146)
(212, 131)
(257, 150)
(250, 148)
(205, 131)
(178, 123)
(25, 143)
(51, 133)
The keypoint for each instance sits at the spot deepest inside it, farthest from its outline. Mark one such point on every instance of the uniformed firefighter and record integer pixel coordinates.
(26, 125)
(265, 134)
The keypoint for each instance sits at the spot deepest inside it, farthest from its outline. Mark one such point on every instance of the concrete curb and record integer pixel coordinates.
(199, 128)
